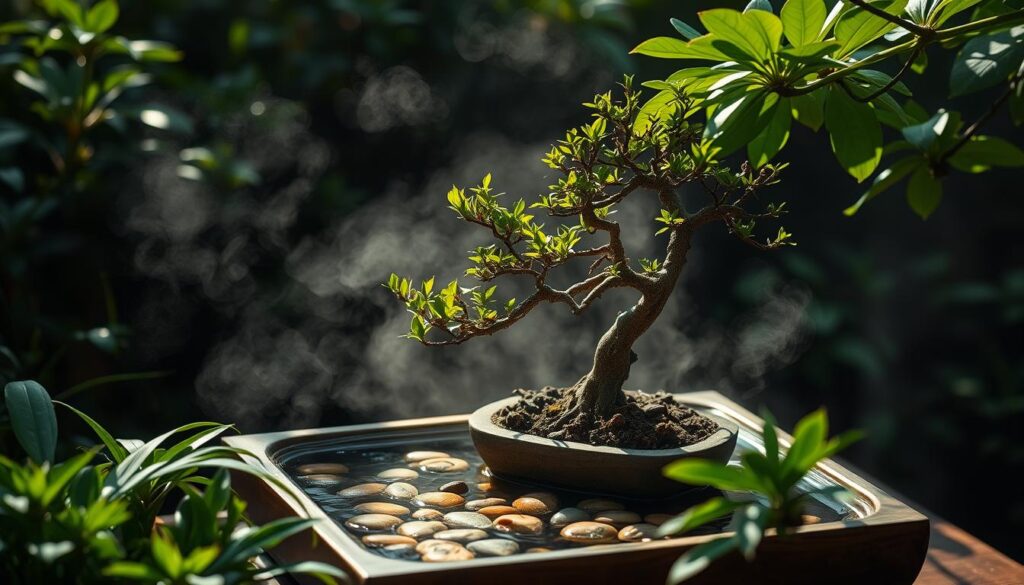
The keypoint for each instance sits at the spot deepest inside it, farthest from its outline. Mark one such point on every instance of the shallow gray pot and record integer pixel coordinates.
(633, 473)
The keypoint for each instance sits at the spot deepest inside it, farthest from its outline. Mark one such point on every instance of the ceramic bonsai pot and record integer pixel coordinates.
(629, 473)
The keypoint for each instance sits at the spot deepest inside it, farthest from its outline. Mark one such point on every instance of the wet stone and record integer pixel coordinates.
(617, 518)
(425, 545)
(400, 548)
(321, 469)
(381, 508)
(599, 505)
(518, 524)
(398, 473)
(443, 465)
(372, 522)
(475, 505)
(322, 478)
(427, 514)
(439, 499)
(445, 552)
(455, 487)
(421, 528)
(495, 511)
(493, 547)
(657, 519)
(527, 505)
(638, 532)
(462, 535)
(401, 490)
(590, 533)
(466, 520)
(384, 540)
(568, 516)
(363, 489)
(415, 456)
(550, 500)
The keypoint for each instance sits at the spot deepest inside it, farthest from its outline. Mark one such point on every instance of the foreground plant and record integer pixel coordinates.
(763, 492)
(826, 73)
(625, 152)
(88, 521)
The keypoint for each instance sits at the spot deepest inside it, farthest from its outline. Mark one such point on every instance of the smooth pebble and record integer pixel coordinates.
(617, 518)
(363, 489)
(495, 511)
(449, 551)
(421, 528)
(466, 520)
(321, 468)
(383, 540)
(462, 535)
(590, 533)
(638, 532)
(401, 491)
(475, 505)
(518, 524)
(398, 473)
(493, 547)
(427, 514)
(443, 465)
(439, 499)
(455, 487)
(414, 456)
(568, 516)
(528, 505)
(381, 508)
(372, 522)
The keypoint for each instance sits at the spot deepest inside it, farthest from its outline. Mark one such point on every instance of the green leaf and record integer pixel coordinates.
(854, 133)
(32, 419)
(321, 571)
(757, 33)
(808, 438)
(101, 16)
(699, 515)
(770, 438)
(802, 20)
(984, 152)
(858, 27)
(763, 148)
(809, 109)
(117, 452)
(924, 192)
(764, 5)
(946, 9)
(986, 61)
(664, 48)
(749, 523)
(712, 473)
(684, 29)
(885, 180)
(735, 122)
(659, 107)
(811, 53)
(698, 558)
(924, 135)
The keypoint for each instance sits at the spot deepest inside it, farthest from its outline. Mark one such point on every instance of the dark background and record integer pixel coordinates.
(251, 289)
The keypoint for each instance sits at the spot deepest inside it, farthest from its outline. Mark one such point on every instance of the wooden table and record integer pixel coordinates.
(957, 558)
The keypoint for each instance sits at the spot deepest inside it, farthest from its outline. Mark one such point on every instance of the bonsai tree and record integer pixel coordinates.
(626, 152)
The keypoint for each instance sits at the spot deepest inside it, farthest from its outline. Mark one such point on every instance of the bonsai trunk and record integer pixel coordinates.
(600, 391)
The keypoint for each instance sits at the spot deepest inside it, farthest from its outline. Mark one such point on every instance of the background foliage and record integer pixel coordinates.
(230, 252)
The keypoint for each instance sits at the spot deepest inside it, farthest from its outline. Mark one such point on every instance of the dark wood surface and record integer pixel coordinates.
(957, 558)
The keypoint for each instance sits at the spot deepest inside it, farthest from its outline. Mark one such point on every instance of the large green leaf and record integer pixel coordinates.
(986, 61)
(712, 473)
(802, 20)
(101, 16)
(757, 33)
(763, 148)
(854, 133)
(32, 419)
(684, 29)
(698, 558)
(699, 515)
(809, 109)
(737, 121)
(859, 27)
(984, 152)
(924, 135)
(886, 179)
(659, 107)
(808, 439)
(924, 192)
(749, 523)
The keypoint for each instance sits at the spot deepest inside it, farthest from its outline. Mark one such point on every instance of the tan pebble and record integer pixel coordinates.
(485, 486)
(590, 533)
(427, 514)
(658, 519)
(439, 500)
(381, 508)
(379, 540)
(415, 456)
(421, 528)
(518, 524)
(443, 465)
(455, 487)
(550, 500)
(321, 468)
(568, 516)
(495, 511)
(322, 478)
(531, 506)
(599, 505)
(462, 535)
(617, 518)
(425, 545)
(372, 522)
(476, 505)
(401, 491)
(398, 474)
(493, 547)
(538, 549)
(638, 533)
(363, 489)
(400, 548)
(466, 520)
(450, 551)
(808, 519)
